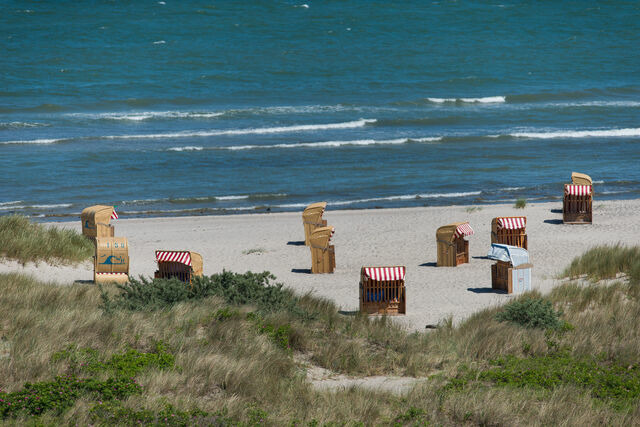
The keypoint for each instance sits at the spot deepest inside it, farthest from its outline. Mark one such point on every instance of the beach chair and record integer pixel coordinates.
(312, 218)
(95, 221)
(577, 204)
(453, 249)
(512, 270)
(111, 261)
(382, 290)
(323, 254)
(182, 265)
(510, 230)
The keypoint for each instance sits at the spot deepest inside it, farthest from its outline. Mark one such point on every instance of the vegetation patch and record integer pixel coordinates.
(531, 313)
(254, 289)
(24, 241)
(520, 204)
(605, 262)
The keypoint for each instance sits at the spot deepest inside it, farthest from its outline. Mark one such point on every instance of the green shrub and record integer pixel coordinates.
(238, 289)
(531, 313)
(25, 242)
(520, 204)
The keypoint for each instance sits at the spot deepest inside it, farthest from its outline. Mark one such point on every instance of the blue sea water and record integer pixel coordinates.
(204, 107)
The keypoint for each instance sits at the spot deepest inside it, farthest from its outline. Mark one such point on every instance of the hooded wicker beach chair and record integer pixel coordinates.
(512, 270)
(382, 290)
(577, 204)
(453, 249)
(111, 262)
(323, 253)
(510, 230)
(181, 265)
(95, 221)
(312, 218)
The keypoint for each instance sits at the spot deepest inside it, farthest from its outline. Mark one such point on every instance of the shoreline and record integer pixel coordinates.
(267, 210)
(367, 237)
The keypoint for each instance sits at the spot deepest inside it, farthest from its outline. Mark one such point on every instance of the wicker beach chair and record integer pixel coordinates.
(577, 204)
(95, 221)
(312, 218)
(181, 265)
(510, 230)
(512, 270)
(323, 254)
(111, 261)
(382, 290)
(453, 249)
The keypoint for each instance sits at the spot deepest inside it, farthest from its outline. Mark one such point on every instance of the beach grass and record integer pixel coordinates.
(606, 262)
(237, 351)
(520, 204)
(25, 241)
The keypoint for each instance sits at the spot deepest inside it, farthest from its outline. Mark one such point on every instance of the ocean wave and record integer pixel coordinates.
(598, 182)
(483, 100)
(602, 133)
(14, 205)
(405, 197)
(187, 148)
(149, 115)
(35, 141)
(249, 131)
(13, 202)
(512, 188)
(333, 144)
(17, 125)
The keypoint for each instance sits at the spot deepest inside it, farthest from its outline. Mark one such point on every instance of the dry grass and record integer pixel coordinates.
(25, 242)
(225, 362)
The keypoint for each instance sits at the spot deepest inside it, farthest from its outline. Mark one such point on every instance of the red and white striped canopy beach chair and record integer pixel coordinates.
(382, 290)
(453, 249)
(510, 230)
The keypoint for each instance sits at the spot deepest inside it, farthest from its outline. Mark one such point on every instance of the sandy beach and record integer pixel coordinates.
(274, 242)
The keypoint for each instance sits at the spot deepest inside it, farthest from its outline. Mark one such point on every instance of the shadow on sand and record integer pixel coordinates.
(429, 264)
(301, 270)
(553, 221)
(486, 291)
(293, 243)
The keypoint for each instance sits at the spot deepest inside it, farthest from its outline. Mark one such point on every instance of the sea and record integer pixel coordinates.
(171, 108)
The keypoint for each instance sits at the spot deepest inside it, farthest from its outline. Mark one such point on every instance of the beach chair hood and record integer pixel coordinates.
(447, 233)
(507, 253)
(580, 179)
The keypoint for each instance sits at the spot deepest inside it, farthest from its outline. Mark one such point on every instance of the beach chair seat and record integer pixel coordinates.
(181, 265)
(323, 254)
(382, 290)
(312, 218)
(509, 230)
(453, 249)
(95, 221)
(111, 260)
(512, 270)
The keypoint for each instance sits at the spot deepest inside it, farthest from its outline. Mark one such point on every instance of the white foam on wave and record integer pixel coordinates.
(15, 205)
(13, 125)
(603, 133)
(250, 131)
(187, 148)
(231, 197)
(34, 141)
(484, 100)
(390, 198)
(598, 182)
(512, 189)
(147, 115)
(334, 144)
(159, 42)
(13, 202)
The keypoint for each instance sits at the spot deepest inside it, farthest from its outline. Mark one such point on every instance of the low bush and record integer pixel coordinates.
(249, 288)
(24, 241)
(520, 204)
(531, 313)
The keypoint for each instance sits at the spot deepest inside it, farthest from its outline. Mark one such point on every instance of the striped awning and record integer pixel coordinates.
(577, 190)
(183, 257)
(463, 230)
(513, 223)
(385, 273)
(114, 215)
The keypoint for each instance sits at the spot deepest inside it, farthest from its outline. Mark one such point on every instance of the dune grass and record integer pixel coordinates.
(233, 356)
(25, 241)
(605, 262)
(520, 204)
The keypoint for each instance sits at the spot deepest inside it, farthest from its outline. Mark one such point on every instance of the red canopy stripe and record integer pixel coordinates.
(385, 273)
(183, 257)
(464, 230)
(512, 223)
(577, 190)
(114, 215)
